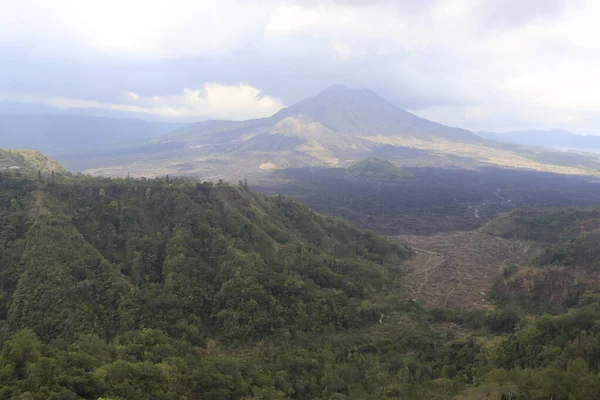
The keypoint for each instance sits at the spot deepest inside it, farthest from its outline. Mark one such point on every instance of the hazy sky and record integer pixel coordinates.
(497, 65)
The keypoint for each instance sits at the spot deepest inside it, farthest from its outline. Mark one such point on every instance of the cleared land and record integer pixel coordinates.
(455, 270)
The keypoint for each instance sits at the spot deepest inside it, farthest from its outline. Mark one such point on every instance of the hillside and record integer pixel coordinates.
(195, 261)
(28, 161)
(376, 168)
(335, 128)
(147, 235)
(171, 289)
(564, 269)
(570, 236)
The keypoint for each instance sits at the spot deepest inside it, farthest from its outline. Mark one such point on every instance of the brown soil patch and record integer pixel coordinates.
(454, 269)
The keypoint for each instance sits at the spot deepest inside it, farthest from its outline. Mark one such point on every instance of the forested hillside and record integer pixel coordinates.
(194, 261)
(570, 236)
(173, 289)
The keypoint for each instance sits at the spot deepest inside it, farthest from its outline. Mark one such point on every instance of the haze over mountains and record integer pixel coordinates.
(554, 139)
(337, 127)
(56, 134)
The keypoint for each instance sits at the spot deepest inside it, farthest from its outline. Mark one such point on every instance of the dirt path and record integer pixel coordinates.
(454, 269)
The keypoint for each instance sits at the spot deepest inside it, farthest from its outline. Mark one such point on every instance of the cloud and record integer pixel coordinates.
(543, 73)
(463, 62)
(507, 13)
(132, 28)
(237, 102)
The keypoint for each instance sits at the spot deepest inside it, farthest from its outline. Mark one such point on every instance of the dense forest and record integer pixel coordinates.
(175, 289)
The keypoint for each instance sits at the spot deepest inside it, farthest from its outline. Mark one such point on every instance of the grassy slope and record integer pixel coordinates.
(30, 161)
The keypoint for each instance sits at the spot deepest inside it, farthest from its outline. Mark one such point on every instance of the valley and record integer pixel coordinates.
(424, 201)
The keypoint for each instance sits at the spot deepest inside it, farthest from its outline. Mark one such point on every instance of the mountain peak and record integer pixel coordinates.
(340, 99)
(341, 92)
(363, 113)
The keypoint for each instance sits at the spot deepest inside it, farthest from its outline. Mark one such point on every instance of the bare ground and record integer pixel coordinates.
(455, 270)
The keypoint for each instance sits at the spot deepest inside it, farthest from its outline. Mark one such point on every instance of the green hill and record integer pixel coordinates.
(28, 161)
(95, 248)
(376, 168)
(137, 260)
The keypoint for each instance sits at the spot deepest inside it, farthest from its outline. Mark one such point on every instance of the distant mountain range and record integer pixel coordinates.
(337, 127)
(56, 134)
(553, 139)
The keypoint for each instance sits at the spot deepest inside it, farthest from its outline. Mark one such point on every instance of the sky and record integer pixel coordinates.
(481, 65)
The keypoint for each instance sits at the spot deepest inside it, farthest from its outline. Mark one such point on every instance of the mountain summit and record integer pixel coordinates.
(362, 112)
(336, 128)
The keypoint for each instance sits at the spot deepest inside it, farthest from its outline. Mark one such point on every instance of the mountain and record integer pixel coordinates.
(28, 161)
(363, 113)
(553, 139)
(57, 134)
(337, 127)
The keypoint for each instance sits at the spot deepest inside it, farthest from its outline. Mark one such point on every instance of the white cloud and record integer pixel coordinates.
(544, 73)
(131, 28)
(237, 102)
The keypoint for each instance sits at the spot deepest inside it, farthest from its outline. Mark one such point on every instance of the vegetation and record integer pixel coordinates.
(28, 162)
(172, 289)
(570, 236)
(376, 168)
